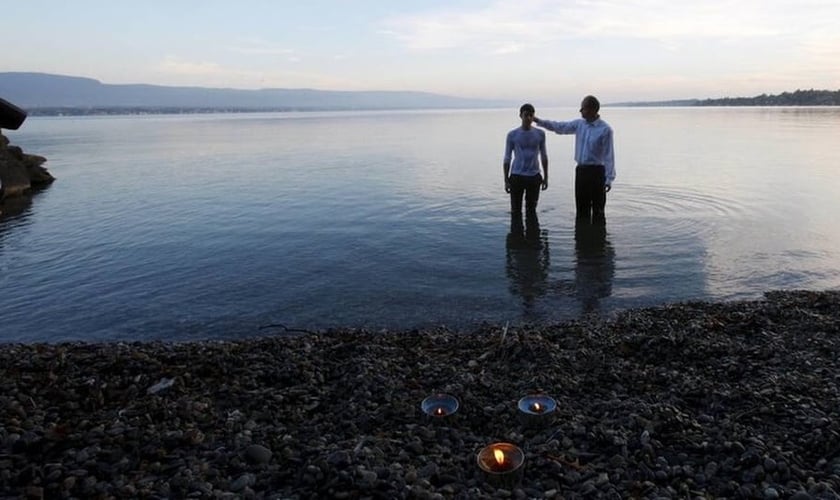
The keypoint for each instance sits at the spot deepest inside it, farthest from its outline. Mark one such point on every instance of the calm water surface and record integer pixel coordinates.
(210, 226)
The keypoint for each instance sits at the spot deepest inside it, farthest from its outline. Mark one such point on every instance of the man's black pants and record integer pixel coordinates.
(529, 185)
(590, 197)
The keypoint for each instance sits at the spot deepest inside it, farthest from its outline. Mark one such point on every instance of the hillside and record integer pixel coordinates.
(41, 93)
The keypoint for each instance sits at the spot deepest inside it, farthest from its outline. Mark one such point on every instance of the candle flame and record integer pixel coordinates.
(537, 407)
(500, 456)
(439, 411)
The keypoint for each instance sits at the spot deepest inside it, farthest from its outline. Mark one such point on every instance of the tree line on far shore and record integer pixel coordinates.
(797, 98)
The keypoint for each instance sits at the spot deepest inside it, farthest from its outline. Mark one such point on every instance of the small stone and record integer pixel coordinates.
(383, 473)
(572, 477)
(416, 447)
(588, 489)
(368, 478)
(242, 482)
(258, 454)
(710, 470)
(338, 458)
(35, 492)
(89, 483)
(162, 385)
(771, 494)
(420, 493)
(69, 482)
(428, 471)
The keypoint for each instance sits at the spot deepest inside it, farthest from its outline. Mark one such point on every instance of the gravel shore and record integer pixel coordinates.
(694, 400)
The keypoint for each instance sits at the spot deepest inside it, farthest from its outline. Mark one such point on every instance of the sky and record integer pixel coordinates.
(548, 52)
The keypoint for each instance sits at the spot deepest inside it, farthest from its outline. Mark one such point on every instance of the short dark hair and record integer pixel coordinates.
(527, 107)
(592, 102)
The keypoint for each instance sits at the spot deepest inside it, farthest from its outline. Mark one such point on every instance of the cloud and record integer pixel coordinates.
(626, 49)
(261, 48)
(824, 50)
(510, 48)
(176, 71)
(540, 22)
(816, 62)
(176, 66)
(203, 73)
(491, 28)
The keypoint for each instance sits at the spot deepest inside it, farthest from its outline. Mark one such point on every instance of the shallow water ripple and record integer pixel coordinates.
(210, 226)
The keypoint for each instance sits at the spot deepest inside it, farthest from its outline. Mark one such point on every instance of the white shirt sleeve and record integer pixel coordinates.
(609, 159)
(559, 127)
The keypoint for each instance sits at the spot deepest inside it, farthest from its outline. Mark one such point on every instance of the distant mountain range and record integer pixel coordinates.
(41, 93)
(47, 94)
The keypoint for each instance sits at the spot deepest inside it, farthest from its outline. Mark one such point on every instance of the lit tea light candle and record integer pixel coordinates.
(501, 464)
(537, 410)
(439, 405)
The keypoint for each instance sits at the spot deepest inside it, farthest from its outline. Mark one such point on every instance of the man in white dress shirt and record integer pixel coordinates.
(594, 155)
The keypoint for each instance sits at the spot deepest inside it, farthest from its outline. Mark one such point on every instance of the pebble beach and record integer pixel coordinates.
(690, 400)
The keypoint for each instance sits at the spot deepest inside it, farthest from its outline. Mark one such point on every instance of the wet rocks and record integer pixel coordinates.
(20, 172)
(258, 454)
(688, 400)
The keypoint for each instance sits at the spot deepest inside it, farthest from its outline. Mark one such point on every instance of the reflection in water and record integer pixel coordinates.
(12, 207)
(13, 213)
(527, 260)
(16, 209)
(594, 264)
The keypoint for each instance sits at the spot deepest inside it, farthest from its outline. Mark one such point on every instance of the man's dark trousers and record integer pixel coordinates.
(529, 185)
(590, 197)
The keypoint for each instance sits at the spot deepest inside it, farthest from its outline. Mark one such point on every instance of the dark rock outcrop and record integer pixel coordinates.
(20, 172)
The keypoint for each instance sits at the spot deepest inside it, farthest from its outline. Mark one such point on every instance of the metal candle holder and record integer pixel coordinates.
(440, 405)
(502, 464)
(537, 410)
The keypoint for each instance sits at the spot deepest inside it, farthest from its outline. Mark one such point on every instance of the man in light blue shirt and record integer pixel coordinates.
(594, 155)
(524, 150)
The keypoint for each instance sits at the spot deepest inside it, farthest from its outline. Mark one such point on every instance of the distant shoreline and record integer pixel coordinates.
(797, 98)
(174, 110)
(141, 111)
(44, 94)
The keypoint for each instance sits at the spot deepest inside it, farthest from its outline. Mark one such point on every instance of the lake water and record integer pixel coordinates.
(212, 226)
